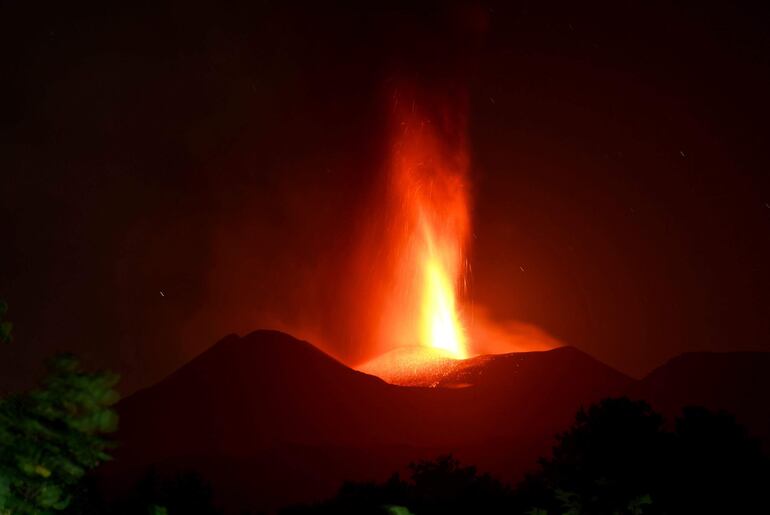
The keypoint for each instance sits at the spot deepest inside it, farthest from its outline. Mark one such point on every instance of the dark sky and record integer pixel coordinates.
(226, 155)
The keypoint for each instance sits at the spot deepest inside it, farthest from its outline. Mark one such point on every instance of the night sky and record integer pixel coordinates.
(171, 172)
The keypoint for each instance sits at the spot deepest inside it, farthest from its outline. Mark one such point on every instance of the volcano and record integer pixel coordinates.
(270, 420)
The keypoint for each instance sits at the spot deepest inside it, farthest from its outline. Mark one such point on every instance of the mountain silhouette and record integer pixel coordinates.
(270, 420)
(736, 382)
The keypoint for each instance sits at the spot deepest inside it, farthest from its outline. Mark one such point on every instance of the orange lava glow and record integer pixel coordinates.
(440, 324)
(410, 272)
(430, 202)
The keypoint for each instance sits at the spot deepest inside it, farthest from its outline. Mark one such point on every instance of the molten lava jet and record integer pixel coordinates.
(428, 234)
(439, 243)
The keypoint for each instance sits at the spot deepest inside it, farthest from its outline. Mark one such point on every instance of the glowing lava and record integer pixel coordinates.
(429, 190)
(412, 265)
(441, 327)
(400, 305)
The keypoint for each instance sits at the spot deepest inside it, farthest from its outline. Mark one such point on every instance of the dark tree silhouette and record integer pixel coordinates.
(603, 463)
(445, 486)
(717, 467)
(440, 486)
(618, 459)
(183, 493)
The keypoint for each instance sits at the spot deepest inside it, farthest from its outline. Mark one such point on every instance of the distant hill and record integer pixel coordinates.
(270, 420)
(736, 382)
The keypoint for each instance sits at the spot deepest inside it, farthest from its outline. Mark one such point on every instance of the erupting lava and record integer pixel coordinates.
(413, 259)
(429, 180)
(440, 324)
(429, 224)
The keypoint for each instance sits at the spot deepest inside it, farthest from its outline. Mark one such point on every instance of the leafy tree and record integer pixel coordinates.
(617, 459)
(51, 436)
(398, 510)
(440, 486)
(716, 467)
(608, 460)
(444, 485)
(362, 498)
(181, 493)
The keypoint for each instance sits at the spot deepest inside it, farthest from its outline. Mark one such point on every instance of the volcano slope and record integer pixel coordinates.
(269, 420)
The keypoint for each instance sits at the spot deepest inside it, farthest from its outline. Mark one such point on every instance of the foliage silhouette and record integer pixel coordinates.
(603, 463)
(51, 436)
(184, 493)
(618, 458)
(717, 467)
(440, 486)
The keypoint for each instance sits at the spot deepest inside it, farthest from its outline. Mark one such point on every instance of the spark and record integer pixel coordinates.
(162, 294)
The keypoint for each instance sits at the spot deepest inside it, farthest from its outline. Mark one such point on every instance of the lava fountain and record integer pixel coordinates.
(424, 245)
(433, 190)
